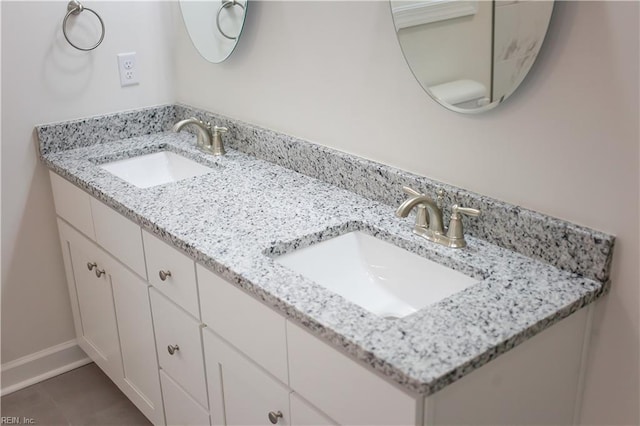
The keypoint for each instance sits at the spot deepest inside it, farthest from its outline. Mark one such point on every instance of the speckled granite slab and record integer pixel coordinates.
(104, 128)
(563, 244)
(235, 219)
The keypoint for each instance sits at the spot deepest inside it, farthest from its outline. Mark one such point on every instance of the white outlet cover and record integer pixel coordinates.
(128, 69)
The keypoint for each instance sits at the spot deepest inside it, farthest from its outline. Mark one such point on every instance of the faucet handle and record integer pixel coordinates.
(455, 233)
(219, 129)
(455, 210)
(411, 191)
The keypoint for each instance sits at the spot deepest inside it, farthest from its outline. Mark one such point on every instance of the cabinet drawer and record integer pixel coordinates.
(247, 393)
(119, 236)
(250, 326)
(176, 329)
(180, 286)
(342, 388)
(304, 414)
(179, 407)
(72, 204)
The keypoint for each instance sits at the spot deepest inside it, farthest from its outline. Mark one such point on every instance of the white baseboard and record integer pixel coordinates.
(41, 365)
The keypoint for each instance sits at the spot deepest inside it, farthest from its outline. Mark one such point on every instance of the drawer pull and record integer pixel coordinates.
(164, 275)
(91, 265)
(172, 349)
(274, 416)
(99, 272)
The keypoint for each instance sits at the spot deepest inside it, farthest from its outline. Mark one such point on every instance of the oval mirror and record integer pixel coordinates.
(214, 26)
(470, 55)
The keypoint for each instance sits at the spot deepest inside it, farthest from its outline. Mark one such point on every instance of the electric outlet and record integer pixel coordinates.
(128, 69)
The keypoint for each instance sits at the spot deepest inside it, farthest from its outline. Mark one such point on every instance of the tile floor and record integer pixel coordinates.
(84, 396)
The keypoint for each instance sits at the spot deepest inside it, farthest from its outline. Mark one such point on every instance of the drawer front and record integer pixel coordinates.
(247, 393)
(179, 407)
(180, 286)
(72, 204)
(329, 379)
(183, 361)
(119, 236)
(304, 414)
(250, 326)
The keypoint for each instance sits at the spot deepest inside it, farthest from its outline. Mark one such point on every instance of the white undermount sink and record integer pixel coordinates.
(155, 169)
(380, 277)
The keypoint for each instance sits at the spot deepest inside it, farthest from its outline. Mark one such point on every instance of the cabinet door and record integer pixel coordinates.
(240, 392)
(140, 364)
(95, 304)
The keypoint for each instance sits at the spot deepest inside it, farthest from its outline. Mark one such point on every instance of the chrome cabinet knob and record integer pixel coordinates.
(99, 272)
(91, 265)
(172, 349)
(274, 416)
(164, 274)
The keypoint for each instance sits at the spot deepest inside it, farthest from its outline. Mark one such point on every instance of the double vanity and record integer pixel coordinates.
(275, 284)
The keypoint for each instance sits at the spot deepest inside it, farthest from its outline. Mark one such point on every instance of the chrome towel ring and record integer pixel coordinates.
(75, 8)
(225, 4)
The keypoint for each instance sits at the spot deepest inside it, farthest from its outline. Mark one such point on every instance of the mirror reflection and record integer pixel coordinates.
(470, 55)
(214, 26)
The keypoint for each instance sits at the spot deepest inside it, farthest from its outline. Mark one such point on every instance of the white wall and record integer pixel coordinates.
(45, 80)
(565, 144)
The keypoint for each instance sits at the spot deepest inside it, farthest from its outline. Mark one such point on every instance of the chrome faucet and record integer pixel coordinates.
(209, 139)
(429, 214)
(429, 219)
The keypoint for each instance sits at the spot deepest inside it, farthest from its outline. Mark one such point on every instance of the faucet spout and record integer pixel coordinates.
(204, 130)
(434, 214)
(429, 218)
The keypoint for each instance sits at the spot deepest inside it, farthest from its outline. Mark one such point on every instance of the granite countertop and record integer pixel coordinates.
(236, 218)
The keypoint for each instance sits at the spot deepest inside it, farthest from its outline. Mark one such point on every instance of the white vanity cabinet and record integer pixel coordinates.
(189, 348)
